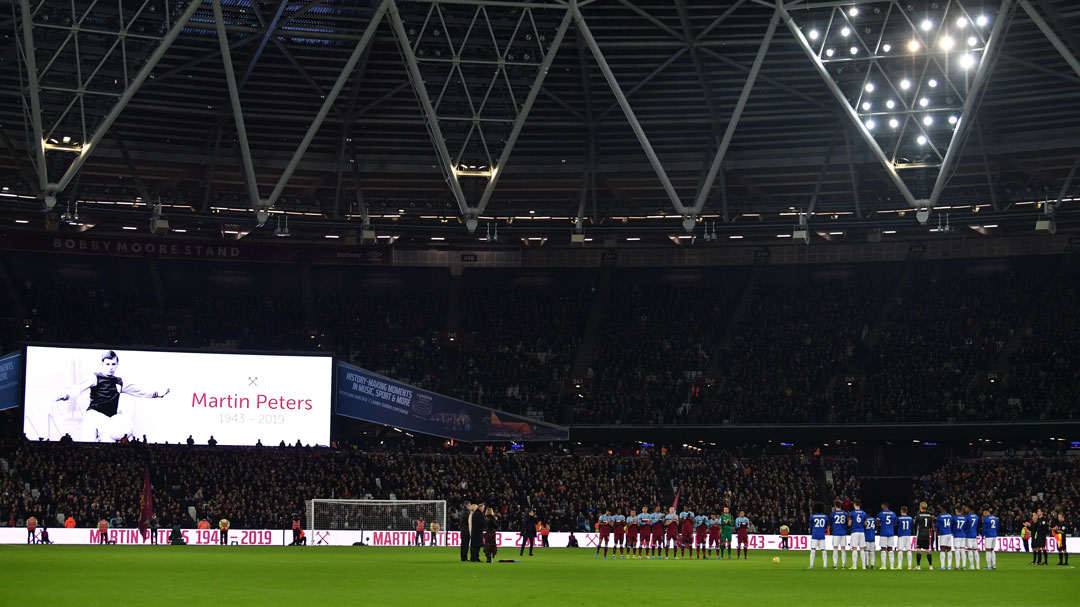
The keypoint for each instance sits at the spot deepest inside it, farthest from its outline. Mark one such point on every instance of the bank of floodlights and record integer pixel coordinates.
(905, 68)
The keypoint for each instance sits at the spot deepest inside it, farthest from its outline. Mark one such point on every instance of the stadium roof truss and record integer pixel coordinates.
(908, 84)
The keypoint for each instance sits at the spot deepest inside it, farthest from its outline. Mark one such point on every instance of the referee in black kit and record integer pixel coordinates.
(1040, 529)
(1061, 532)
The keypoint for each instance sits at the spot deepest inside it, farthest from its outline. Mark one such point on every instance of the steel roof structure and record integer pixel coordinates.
(448, 118)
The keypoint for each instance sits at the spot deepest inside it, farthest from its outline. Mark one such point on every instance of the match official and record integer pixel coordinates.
(1061, 532)
(1038, 538)
(528, 532)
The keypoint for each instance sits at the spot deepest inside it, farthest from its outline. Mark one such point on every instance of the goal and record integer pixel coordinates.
(375, 515)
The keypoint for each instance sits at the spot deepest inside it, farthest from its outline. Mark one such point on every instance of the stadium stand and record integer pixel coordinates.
(261, 487)
(967, 340)
(1014, 486)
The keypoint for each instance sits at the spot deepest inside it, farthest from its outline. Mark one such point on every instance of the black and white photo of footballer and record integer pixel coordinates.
(103, 421)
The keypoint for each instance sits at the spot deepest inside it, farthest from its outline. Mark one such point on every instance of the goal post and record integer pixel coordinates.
(376, 515)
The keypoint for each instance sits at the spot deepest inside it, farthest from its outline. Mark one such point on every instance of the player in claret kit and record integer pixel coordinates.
(603, 526)
(727, 526)
(701, 527)
(671, 532)
(839, 520)
(857, 522)
(945, 538)
(657, 519)
(644, 533)
(904, 525)
(618, 522)
(714, 537)
(742, 530)
(819, 522)
(990, 535)
(887, 533)
(632, 534)
(686, 531)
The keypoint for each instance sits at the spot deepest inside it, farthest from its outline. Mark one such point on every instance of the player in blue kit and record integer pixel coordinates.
(839, 520)
(871, 541)
(904, 524)
(973, 535)
(857, 522)
(887, 530)
(819, 522)
(959, 539)
(990, 535)
(944, 537)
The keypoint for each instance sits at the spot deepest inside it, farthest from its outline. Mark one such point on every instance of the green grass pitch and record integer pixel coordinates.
(44, 576)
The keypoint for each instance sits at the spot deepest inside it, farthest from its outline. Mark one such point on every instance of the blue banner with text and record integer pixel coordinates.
(10, 379)
(361, 394)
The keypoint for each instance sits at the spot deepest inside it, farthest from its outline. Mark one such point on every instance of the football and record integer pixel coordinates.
(776, 560)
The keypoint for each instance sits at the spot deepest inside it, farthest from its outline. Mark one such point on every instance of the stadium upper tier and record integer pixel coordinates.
(915, 341)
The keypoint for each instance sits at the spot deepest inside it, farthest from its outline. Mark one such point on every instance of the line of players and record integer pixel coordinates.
(957, 537)
(644, 534)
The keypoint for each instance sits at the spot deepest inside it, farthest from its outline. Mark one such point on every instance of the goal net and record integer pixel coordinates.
(376, 515)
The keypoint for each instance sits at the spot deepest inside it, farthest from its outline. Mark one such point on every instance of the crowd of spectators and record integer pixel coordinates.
(940, 344)
(794, 340)
(261, 487)
(394, 334)
(823, 344)
(1013, 487)
(1044, 373)
(518, 346)
(84, 314)
(654, 343)
(845, 482)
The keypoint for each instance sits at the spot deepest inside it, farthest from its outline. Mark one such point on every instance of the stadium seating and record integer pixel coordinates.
(913, 341)
(1014, 486)
(262, 487)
